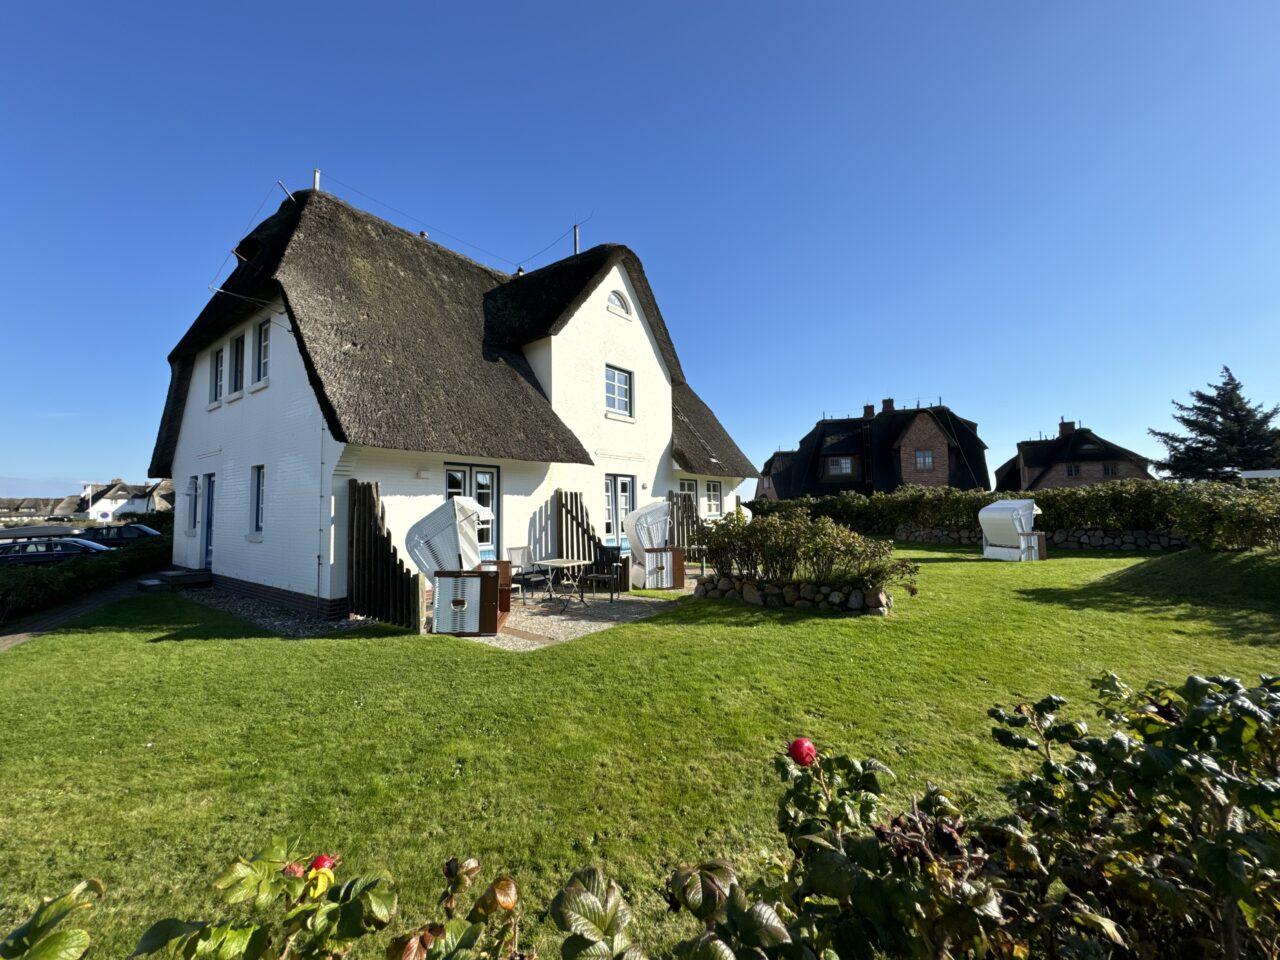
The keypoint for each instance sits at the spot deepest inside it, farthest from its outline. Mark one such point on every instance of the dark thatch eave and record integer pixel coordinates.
(699, 443)
(1080, 445)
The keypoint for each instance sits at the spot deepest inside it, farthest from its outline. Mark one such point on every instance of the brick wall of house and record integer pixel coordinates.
(924, 434)
(1090, 472)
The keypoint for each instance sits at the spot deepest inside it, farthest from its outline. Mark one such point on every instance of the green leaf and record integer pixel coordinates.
(60, 945)
(162, 933)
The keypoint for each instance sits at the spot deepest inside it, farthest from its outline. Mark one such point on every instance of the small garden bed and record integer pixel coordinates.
(841, 598)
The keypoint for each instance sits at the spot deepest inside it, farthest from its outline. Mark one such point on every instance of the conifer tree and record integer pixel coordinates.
(1225, 432)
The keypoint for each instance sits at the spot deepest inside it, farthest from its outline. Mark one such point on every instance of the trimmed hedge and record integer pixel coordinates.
(25, 590)
(1221, 516)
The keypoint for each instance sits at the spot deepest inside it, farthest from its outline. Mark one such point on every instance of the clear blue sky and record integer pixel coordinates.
(1029, 209)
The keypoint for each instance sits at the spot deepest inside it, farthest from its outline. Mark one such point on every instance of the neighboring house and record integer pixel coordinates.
(109, 501)
(20, 508)
(1074, 458)
(930, 446)
(344, 347)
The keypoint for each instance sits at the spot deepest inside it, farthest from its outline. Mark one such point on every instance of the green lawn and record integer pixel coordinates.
(157, 738)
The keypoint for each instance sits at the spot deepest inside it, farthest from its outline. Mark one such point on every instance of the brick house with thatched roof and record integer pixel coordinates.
(343, 347)
(1076, 457)
(879, 452)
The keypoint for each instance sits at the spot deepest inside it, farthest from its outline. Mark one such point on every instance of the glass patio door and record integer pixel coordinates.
(208, 521)
(619, 500)
(481, 484)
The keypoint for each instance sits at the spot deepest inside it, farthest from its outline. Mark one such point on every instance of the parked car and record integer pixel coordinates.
(120, 536)
(26, 552)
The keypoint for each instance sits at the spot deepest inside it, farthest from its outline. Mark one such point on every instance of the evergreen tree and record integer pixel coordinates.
(1225, 432)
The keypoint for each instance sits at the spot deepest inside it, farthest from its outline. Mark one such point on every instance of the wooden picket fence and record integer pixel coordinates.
(379, 585)
(575, 538)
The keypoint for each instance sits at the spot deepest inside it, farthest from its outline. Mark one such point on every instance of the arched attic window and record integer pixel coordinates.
(619, 304)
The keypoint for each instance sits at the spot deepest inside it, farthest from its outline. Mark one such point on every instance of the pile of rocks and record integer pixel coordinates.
(844, 598)
(1082, 539)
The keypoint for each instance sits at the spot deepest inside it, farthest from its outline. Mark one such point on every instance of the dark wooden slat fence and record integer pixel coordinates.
(575, 538)
(379, 585)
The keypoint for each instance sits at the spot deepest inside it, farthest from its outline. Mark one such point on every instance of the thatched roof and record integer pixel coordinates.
(796, 473)
(409, 345)
(1075, 445)
(699, 443)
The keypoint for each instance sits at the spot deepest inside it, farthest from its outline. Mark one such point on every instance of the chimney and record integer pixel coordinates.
(1066, 428)
(886, 405)
(868, 411)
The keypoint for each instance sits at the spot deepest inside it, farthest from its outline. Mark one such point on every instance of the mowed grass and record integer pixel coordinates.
(156, 739)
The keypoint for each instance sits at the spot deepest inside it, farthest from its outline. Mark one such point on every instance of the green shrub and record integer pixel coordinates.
(26, 589)
(1221, 516)
(38, 938)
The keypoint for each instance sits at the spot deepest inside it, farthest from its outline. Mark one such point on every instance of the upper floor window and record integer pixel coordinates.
(715, 503)
(924, 459)
(237, 364)
(261, 351)
(618, 303)
(1073, 469)
(839, 466)
(617, 391)
(215, 375)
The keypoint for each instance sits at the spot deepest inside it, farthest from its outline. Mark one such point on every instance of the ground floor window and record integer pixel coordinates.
(689, 488)
(619, 500)
(481, 484)
(258, 494)
(193, 503)
(1073, 469)
(714, 502)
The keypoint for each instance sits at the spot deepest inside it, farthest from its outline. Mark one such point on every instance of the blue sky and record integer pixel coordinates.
(1031, 210)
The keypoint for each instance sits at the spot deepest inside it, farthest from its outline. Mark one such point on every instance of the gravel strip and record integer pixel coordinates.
(272, 617)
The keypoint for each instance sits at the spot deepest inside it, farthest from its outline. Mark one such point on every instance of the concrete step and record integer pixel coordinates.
(187, 578)
(153, 585)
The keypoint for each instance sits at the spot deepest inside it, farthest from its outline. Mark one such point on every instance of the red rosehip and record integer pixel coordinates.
(293, 869)
(802, 751)
(324, 861)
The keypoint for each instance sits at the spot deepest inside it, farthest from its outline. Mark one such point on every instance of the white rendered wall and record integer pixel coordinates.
(277, 424)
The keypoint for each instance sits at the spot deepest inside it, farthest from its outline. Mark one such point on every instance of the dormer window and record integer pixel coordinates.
(619, 304)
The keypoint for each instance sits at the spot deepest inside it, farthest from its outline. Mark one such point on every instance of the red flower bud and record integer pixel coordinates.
(802, 751)
(324, 861)
(293, 869)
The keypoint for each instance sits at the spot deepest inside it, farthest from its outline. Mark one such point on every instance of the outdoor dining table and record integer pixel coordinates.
(570, 573)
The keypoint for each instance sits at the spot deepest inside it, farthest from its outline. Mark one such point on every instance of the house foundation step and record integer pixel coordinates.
(172, 579)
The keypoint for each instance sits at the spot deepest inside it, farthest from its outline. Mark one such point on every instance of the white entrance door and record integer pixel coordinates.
(481, 484)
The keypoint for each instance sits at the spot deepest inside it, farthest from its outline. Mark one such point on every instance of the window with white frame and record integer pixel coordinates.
(237, 364)
(839, 466)
(689, 488)
(215, 375)
(618, 303)
(261, 351)
(258, 495)
(618, 391)
(924, 460)
(1111, 469)
(714, 502)
(193, 500)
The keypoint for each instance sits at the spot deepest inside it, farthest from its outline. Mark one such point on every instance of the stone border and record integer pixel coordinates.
(842, 598)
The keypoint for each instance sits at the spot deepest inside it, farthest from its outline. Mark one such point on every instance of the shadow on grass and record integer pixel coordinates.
(1237, 592)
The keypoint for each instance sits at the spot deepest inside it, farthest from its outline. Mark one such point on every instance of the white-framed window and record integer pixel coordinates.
(193, 503)
(483, 484)
(261, 351)
(689, 488)
(619, 304)
(617, 391)
(619, 500)
(237, 364)
(257, 496)
(1111, 469)
(1073, 469)
(216, 360)
(924, 459)
(839, 466)
(714, 501)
